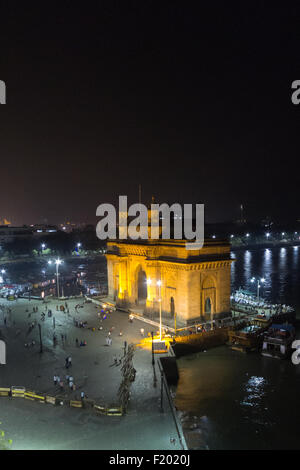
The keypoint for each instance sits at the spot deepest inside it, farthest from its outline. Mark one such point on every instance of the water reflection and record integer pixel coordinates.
(251, 401)
(280, 268)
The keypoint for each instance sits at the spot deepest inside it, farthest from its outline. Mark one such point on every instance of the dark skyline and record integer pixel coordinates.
(194, 103)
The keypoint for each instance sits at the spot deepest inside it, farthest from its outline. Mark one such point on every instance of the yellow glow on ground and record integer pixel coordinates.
(147, 342)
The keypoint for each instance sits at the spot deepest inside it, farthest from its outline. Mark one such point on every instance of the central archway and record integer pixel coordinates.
(172, 307)
(141, 287)
(207, 305)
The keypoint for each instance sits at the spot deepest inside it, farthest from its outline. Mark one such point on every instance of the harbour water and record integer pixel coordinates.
(237, 401)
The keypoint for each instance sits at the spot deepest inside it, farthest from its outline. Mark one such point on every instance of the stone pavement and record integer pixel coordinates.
(42, 426)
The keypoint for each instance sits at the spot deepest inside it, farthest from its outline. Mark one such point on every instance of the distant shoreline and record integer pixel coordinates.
(274, 244)
(30, 259)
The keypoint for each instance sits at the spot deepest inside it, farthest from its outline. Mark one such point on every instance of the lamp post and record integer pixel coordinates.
(41, 342)
(152, 349)
(159, 290)
(57, 262)
(261, 280)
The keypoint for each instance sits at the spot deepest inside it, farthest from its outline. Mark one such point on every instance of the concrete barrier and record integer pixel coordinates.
(51, 400)
(76, 403)
(117, 411)
(102, 410)
(21, 392)
(29, 395)
(18, 392)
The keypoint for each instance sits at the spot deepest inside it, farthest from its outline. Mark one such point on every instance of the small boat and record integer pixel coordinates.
(278, 341)
(249, 337)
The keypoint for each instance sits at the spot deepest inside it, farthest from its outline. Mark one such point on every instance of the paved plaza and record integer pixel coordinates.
(33, 425)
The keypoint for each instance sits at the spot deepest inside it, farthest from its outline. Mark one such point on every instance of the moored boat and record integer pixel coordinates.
(278, 341)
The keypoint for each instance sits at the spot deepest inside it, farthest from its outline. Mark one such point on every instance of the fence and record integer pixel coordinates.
(21, 392)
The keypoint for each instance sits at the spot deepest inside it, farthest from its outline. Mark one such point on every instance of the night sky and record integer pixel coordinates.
(192, 100)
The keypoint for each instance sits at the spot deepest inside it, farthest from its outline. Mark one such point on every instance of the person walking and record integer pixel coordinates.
(82, 395)
(142, 331)
(76, 341)
(70, 361)
(55, 380)
(61, 385)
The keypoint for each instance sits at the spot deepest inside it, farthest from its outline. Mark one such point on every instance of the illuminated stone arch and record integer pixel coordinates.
(208, 296)
(140, 284)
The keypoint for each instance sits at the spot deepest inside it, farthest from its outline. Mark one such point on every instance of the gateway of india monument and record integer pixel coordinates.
(194, 285)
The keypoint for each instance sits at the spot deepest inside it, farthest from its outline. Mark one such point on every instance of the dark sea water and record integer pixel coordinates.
(249, 401)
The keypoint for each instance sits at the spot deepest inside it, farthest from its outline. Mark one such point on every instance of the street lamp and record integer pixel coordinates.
(261, 280)
(1, 277)
(159, 290)
(57, 262)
